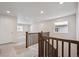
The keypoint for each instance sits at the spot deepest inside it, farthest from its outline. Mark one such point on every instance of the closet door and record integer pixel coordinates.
(7, 29)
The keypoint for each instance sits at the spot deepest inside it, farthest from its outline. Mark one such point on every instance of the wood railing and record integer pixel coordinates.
(32, 38)
(47, 49)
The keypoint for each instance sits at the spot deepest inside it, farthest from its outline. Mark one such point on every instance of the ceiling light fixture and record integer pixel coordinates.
(42, 11)
(61, 2)
(8, 11)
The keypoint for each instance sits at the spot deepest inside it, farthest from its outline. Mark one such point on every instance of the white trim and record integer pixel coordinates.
(20, 43)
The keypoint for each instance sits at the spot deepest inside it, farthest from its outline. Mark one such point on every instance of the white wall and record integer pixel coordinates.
(7, 29)
(77, 22)
(48, 26)
(21, 34)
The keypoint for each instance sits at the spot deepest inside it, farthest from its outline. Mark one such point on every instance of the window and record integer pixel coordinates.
(61, 27)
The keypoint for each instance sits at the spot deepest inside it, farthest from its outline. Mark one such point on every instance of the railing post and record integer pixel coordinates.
(26, 39)
(39, 45)
(78, 49)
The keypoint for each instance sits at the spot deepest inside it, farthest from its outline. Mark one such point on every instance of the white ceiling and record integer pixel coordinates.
(29, 12)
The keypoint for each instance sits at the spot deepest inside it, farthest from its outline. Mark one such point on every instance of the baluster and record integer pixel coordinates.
(69, 50)
(48, 47)
(45, 48)
(57, 48)
(26, 39)
(39, 45)
(42, 47)
(62, 49)
(52, 48)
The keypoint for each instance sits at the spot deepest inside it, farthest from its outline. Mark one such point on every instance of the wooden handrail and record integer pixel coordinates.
(38, 32)
(49, 47)
(60, 39)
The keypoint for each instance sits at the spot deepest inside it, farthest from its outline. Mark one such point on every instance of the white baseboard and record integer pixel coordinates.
(20, 43)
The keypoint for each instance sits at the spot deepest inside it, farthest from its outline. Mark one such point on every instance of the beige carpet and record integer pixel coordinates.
(18, 51)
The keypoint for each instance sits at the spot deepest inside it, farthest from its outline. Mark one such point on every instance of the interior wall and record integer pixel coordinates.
(77, 22)
(21, 34)
(8, 29)
(48, 26)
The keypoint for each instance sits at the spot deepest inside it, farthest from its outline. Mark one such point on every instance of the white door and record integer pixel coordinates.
(7, 29)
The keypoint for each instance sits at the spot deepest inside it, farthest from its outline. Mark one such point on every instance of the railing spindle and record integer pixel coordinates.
(39, 44)
(45, 48)
(52, 48)
(48, 46)
(42, 47)
(57, 47)
(26, 39)
(69, 49)
(62, 49)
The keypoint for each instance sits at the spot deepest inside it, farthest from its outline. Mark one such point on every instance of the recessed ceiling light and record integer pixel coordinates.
(42, 11)
(8, 11)
(61, 2)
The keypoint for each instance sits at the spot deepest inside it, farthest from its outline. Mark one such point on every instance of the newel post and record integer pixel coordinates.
(78, 50)
(26, 39)
(40, 45)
